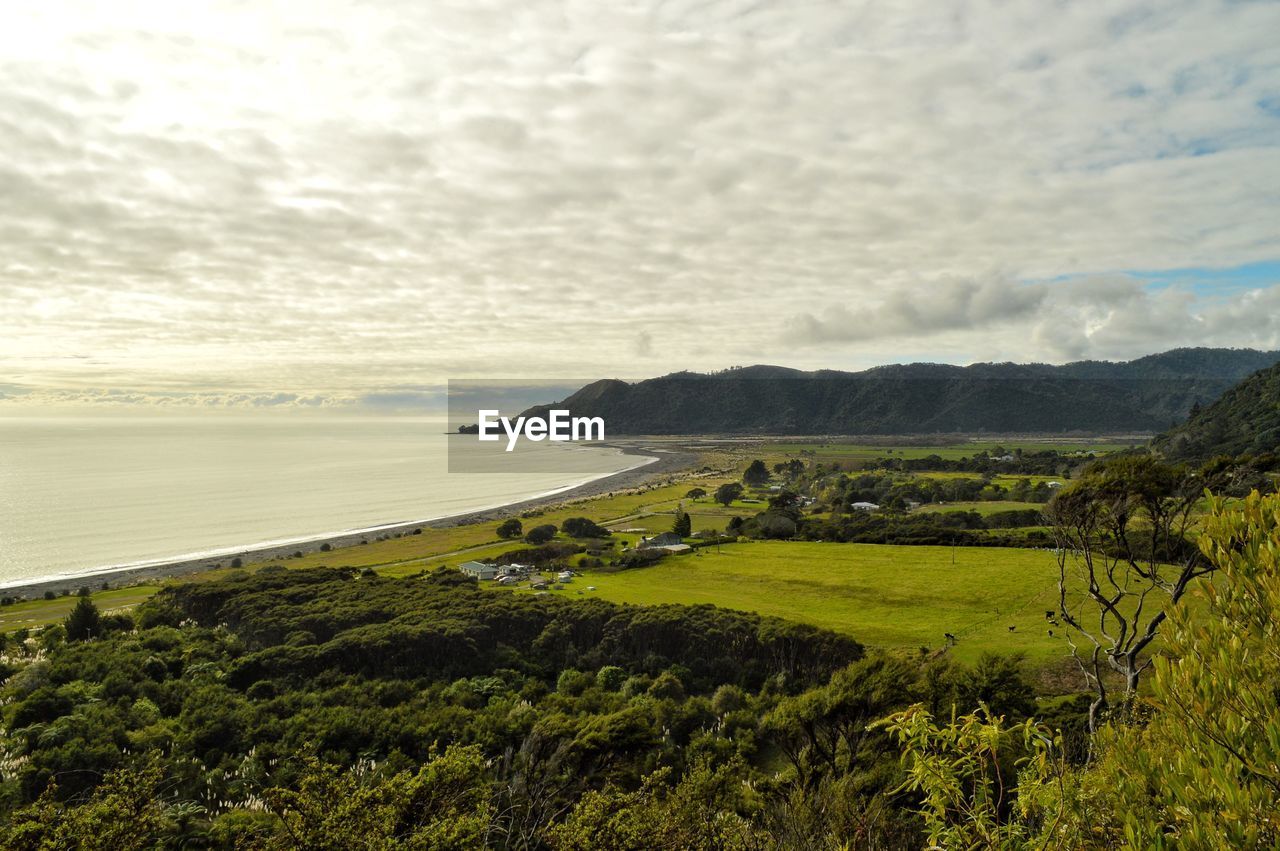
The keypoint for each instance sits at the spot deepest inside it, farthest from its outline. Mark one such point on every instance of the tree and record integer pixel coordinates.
(1205, 769)
(611, 677)
(1123, 559)
(683, 525)
(510, 528)
(581, 527)
(84, 622)
(756, 474)
(727, 493)
(1201, 772)
(540, 534)
(696, 493)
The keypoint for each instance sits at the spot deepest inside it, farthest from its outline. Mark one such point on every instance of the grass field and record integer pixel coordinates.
(950, 451)
(39, 612)
(888, 596)
(983, 507)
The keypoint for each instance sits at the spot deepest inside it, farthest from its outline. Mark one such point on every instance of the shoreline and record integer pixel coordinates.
(662, 462)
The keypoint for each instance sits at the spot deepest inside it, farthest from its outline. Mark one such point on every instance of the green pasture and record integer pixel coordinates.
(983, 507)
(902, 597)
(32, 613)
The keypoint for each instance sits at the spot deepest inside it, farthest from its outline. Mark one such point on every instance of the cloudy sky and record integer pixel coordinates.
(307, 202)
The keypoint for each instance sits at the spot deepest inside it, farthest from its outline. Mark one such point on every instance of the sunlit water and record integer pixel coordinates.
(78, 493)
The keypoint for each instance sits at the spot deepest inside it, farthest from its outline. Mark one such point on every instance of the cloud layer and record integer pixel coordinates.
(330, 200)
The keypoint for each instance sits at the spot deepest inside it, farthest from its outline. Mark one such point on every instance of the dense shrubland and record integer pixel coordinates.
(324, 709)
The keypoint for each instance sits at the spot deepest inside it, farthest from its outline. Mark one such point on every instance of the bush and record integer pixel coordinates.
(540, 534)
(581, 527)
(611, 677)
(84, 622)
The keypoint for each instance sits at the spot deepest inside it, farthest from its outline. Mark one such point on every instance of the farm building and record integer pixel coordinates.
(864, 506)
(666, 539)
(478, 569)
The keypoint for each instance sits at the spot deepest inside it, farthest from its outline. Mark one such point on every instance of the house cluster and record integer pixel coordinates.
(512, 574)
(503, 574)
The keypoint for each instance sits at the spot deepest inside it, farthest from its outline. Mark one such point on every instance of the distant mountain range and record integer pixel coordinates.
(1245, 419)
(1148, 394)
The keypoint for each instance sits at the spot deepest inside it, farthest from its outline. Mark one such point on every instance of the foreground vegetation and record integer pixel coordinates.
(328, 709)
(325, 709)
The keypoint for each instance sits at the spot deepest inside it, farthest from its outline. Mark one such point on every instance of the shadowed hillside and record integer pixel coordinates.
(1147, 394)
(1245, 419)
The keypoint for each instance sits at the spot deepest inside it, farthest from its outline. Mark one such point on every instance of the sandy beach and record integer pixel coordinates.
(667, 461)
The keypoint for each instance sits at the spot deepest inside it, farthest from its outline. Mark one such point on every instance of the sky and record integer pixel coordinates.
(330, 204)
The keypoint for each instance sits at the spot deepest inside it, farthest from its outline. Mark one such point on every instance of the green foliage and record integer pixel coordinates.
(756, 473)
(699, 813)
(611, 677)
(1203, 769)
(683, 523)
(965, 773)
(445, 805)
(124, 813)
(1194, 767)
(727, 493)
(84, 622)
(1244, 420)
(540, 534)
(510, 528)
(581, 527)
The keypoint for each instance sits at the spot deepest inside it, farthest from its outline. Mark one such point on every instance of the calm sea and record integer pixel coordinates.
(78, 493)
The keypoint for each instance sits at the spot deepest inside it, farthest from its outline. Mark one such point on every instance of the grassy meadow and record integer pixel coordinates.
(901, 597)
(30, 613)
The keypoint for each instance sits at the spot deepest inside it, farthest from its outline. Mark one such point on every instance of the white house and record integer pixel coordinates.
(864, 506)
(478, 569)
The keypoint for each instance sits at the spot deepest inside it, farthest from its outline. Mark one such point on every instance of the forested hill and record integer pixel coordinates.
(1245, 419)
(1148, 394)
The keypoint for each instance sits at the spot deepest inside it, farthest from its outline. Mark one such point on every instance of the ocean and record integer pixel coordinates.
(80, 493)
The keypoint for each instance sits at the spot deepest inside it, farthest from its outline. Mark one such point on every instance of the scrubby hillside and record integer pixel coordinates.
(1245, 419)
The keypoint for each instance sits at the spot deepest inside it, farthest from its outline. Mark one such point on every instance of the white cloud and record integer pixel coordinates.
(327, 199)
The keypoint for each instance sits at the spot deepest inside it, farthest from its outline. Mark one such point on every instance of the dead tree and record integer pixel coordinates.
(1124, 557)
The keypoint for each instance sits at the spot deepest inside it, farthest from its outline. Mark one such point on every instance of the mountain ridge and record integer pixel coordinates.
(1147, 394)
